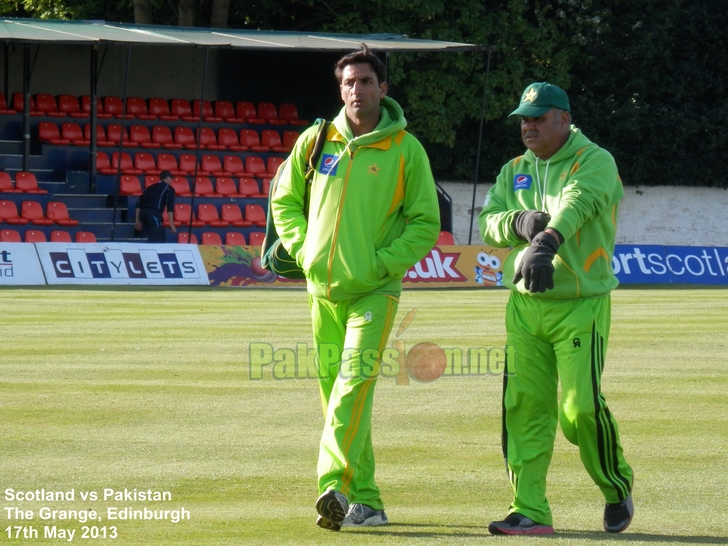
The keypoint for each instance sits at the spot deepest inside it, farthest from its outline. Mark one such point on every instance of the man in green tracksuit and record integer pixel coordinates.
(557, 206)
(373, 214)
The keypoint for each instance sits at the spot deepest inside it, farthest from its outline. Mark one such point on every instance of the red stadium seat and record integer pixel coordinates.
(115, 107)
(233, 165)
(130, 185)
(445, 238)
(103, 163)
(59, 236)
(150, 180)
(233, 238)
(272, 164)
(182, 109)
(187, 163)
(144, 162)
(268, 112)
(101, 139)
(290, 138)
(116, 133)
(208, 140)
(248, 187)
(136, 107)
(228, 139)
(256, 238)
(85, 237)
(272, 139)
(160, 108)
(162, 136)
(58, 212)
(19, 104)
(207, 112)
(255, 167)
(185, 138)
(181, 186)
(49, 132)
(184, 238)
(25, 182)
(211, 165)
(225, 187)
(10, 236)
(139, 135)
(266, 187)
(86, 107)
(255, 214)
(34, 236)
(183, 215)
(246, 111)
(168, 162)
(9, 213)
(126, 165)
(6, 183)
(74, 134)
(46, 105)
(250, 140)
(289, 113)
(69, 106)
(226, 111)
(32, 211)
(231, 213)
(211, 238)
(203, 187)
(207, 214)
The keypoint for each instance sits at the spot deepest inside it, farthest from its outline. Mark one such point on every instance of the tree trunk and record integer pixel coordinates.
(143, 12)
(220, 12)
(187, 13)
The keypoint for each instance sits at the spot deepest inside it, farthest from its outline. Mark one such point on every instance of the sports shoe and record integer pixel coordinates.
(518, 524)
(332, 506)
(361, 515)
(618, 515)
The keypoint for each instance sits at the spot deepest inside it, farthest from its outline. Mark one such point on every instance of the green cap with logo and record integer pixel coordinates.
(539, 98)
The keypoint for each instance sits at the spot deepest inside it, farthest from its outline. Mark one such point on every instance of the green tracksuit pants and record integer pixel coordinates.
(350, 336)
(565, 341)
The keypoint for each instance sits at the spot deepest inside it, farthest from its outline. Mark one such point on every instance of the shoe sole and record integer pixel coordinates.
(326, 524)
(541, 530)
(371, 522)
(329, 508)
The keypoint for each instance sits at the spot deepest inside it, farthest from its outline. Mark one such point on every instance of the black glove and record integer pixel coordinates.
(529, 223)
(536, 267)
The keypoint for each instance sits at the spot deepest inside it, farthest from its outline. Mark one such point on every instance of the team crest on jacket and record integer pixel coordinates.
(522, 182)
(329, 163)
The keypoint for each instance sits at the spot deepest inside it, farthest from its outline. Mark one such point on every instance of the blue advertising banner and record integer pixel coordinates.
(655, 264)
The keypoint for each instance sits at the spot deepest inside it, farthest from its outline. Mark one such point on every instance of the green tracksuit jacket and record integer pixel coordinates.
(580, 188)
(373, 214)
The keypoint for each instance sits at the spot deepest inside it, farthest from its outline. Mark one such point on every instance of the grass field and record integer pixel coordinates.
(113, 389)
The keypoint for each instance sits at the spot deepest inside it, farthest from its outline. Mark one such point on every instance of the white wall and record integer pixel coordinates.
(661, 215)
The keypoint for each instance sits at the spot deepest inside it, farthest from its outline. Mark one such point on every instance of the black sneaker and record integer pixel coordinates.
(332, 506)
(518, 524)
(618, 515)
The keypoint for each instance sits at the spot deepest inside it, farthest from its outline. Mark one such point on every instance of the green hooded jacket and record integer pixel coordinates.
(373, 208)
(580, 188)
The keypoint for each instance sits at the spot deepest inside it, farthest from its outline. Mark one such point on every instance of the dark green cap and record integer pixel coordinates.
(539, 98)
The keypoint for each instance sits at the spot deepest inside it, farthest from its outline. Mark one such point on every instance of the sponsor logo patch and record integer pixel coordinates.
(522, 182)
(329, 164)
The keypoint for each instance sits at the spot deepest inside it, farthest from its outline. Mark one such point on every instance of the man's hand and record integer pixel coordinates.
(536, 267)
(529, 223)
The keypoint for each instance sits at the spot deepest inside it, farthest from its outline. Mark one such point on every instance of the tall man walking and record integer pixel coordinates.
(557, 205)
(373, 214)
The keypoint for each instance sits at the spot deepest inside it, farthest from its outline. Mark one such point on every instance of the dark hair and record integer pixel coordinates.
(361, 56)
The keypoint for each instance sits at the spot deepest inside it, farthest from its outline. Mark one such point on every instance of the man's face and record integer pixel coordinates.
(361, 91)
(545, 135)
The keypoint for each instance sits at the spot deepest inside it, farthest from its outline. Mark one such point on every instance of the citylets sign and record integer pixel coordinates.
(653, 264)
(122, 263)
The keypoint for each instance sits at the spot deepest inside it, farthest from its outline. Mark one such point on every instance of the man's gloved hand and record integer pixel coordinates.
(536, 267)
(529, 223)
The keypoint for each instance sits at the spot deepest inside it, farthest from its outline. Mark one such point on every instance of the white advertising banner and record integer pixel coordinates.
(19, 265)
(122, 263)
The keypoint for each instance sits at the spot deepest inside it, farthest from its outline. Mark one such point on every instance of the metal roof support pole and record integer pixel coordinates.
(92, 120)
(480, 140)
(6, 78)
(121, 141)
(197, 150)
(26, 107)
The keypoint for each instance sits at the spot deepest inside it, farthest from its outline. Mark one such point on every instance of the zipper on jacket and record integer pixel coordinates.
(337, 224)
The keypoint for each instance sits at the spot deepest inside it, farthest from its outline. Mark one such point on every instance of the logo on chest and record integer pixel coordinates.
(329, 164)
(522, 182)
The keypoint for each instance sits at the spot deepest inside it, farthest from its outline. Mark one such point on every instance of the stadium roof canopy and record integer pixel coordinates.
(100, 32)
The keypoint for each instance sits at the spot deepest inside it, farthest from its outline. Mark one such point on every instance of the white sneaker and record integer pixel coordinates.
(361, 515)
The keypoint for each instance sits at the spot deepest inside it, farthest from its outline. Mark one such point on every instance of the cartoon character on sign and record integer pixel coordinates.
(488, 269)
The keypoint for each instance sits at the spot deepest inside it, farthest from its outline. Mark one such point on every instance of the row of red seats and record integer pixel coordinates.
(145, 163)
(43, 104)
(35, 236)
(162, 136)
(247, 188)
(32, 212)
(207, 215)
(232, 238)
(25, 182)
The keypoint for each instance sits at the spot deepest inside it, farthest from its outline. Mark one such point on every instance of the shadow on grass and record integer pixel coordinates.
(421, 530)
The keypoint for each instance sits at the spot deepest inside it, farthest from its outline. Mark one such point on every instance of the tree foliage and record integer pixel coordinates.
(646, 79)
